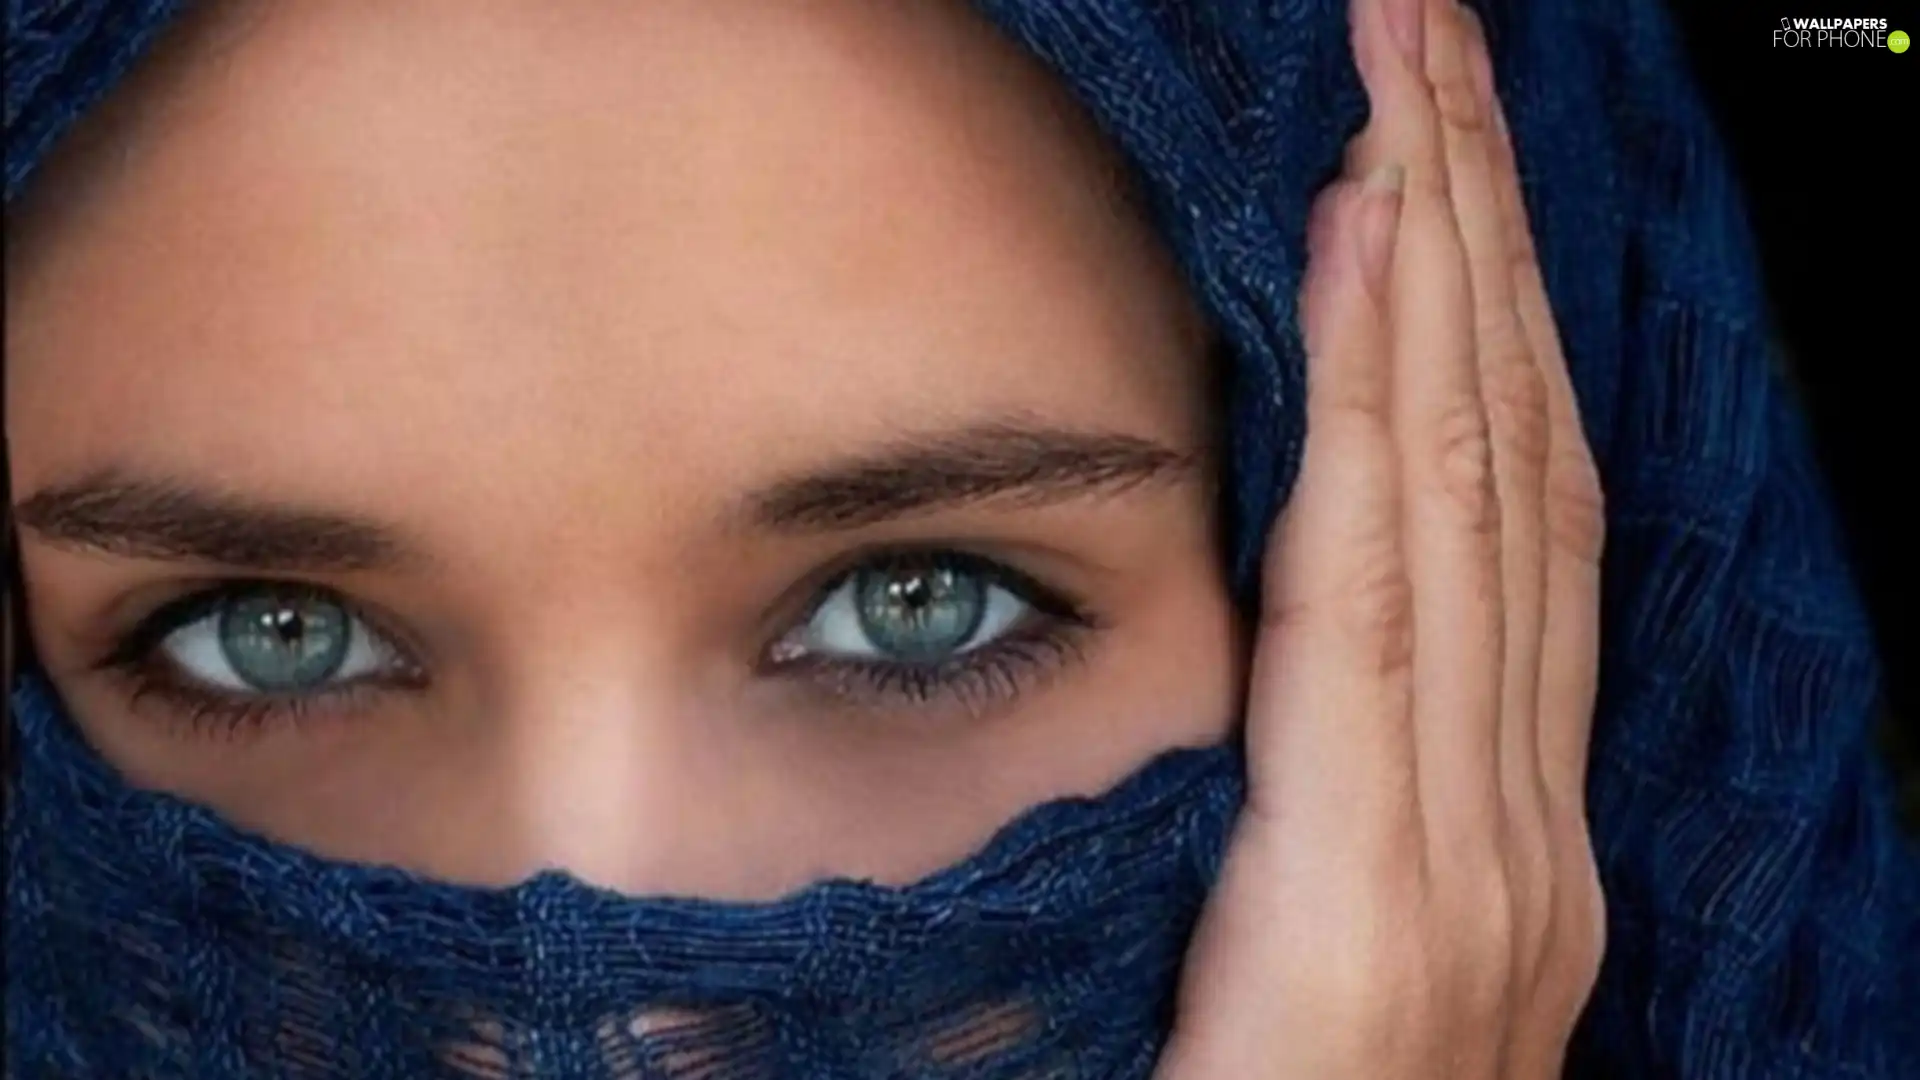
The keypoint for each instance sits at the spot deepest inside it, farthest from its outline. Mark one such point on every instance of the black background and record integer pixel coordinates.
(1825, 143)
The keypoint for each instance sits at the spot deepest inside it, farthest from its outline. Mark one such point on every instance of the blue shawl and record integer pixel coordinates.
(1764, 912)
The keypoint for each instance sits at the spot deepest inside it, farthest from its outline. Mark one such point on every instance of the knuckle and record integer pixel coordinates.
(1535, 928)
(1458, 90)
(1370, 609)
(1516, 394)
(1480, 894)
(1586, 937)
(1358, 404)
(1523, 257)
(1486, 946)
(1494, 909)
(1523, 254)
(1457, 99)
(1567, 979)
(1393, 853)
(1379, 615)
(1573, 954)
(1348, 582)
(1429, 191)
(1576, 509)
(1465, 459)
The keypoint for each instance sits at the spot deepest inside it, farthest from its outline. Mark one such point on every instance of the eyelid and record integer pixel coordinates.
(985, 677)
(824, 583)
(150, 631)
(1012, 558)
(979, 682)
(196, 652)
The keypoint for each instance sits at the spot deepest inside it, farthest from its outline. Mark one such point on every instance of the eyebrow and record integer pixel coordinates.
(137, 517)
(1015, 463)
(121, 513)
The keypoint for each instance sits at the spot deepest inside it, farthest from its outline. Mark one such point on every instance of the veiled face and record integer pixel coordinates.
(704, 446)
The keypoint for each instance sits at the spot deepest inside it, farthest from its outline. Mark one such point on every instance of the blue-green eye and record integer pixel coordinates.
(900, 628)
(923, 613)
(907, 627)
(279, 641)
(916, 609)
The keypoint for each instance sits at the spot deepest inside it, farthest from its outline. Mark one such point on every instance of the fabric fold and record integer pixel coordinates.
(1764, 912)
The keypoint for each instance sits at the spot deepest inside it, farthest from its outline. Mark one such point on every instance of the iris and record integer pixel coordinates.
(281, 644)
(920, 612)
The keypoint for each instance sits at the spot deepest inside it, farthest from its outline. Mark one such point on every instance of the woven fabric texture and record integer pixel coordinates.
(1764, 912)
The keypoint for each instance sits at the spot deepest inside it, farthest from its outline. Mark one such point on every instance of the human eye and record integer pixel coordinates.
(917, 626)
(244, 653)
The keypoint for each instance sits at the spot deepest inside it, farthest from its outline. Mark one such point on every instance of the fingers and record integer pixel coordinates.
(1515, 396)
(1336, 640)
(1389, 43)
(1510, 384)
(1451, 507)
(1320, 863)
(1398, 739)
(1572, 524)
(1573, 517)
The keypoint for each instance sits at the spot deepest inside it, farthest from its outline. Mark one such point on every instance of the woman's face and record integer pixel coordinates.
(704, 446)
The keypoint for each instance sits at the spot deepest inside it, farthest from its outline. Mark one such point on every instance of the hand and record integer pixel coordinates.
(1411, 892)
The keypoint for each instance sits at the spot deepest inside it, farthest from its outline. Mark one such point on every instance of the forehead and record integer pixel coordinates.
(536, 230)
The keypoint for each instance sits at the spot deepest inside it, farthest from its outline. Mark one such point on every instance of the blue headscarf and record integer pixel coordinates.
(1764, 914)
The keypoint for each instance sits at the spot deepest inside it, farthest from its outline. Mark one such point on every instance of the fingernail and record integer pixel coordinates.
(1406, 21)
(1380, 198)
(1479, 63)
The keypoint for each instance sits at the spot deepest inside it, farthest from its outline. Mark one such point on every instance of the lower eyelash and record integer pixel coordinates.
(213, 712)
(136, 660)
(977, 680)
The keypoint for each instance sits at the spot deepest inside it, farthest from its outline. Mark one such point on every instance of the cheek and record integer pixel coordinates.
(1173, 678)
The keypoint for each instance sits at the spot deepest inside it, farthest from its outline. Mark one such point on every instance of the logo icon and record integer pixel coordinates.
(1897, 41)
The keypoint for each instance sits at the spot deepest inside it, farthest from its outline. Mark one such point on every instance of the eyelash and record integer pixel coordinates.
(137, 657)
(1049, 636)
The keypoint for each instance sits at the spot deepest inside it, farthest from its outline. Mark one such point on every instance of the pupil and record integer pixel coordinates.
(921, 613)
(289, 626)
(280, 643)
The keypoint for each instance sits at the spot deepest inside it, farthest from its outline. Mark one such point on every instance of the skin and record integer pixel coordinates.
(684, 251)
(1418, 700)
(1422, 692)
